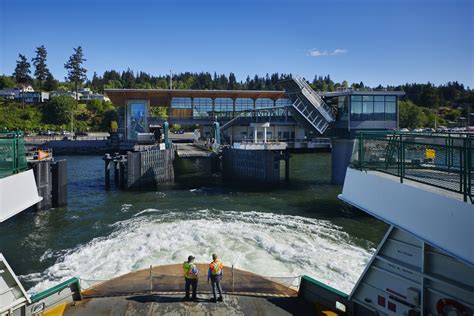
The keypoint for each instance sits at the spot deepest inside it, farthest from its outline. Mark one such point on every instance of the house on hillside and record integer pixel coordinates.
(24, 94)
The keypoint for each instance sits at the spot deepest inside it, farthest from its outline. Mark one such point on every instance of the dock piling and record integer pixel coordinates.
(116, 172)
(107, 159)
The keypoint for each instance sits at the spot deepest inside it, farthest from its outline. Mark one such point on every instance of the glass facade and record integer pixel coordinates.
(356, 108)
(342, 105)
(373, 108)
(202, 107)
(227, 107)
(243, 104)
(181, 103)
(263, 103)
(223, 107)
(390, 108)
(283, 102)
(280, 103)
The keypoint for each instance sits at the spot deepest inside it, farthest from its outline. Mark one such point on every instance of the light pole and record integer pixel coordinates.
(171, 81)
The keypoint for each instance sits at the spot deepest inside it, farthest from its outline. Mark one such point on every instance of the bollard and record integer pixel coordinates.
(107, 160)
(122, 176)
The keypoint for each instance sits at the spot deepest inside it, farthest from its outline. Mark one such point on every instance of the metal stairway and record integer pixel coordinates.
(307, 104)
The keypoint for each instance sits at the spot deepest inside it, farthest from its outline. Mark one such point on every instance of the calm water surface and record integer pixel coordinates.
(299, 228)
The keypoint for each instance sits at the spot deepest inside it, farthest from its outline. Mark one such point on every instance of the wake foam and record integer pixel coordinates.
(268, 244)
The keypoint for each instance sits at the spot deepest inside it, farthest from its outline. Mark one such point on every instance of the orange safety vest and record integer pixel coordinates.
(216, 267)
(188, 270)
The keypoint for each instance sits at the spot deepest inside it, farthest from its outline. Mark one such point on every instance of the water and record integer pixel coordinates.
(300, 228)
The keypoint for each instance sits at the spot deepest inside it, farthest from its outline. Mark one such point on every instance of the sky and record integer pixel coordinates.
(375, 41)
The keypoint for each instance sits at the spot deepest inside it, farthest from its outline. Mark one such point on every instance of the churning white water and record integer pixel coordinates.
(265, 243)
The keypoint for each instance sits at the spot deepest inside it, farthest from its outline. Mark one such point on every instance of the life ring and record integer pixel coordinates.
(460, 309)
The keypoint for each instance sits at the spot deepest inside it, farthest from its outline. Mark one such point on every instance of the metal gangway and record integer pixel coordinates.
(307, 104)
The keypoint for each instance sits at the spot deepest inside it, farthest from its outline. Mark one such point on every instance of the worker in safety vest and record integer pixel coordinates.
(190, 277)
(215, 274)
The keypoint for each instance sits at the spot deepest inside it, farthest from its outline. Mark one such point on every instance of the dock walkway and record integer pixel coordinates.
(189, 150)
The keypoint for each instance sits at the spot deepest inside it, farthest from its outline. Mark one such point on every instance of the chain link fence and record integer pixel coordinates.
(440, 160)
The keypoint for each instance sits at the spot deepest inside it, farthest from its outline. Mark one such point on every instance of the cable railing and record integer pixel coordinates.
(169, 279)
(442, 161)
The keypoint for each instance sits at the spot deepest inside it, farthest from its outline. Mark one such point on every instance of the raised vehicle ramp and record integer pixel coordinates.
(308, 107)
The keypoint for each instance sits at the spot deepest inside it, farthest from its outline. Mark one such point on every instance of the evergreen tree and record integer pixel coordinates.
(76, 73)
(41, 70)
(22, 74)
(232, 82)
(430, 96)
(6, 82)
(50, 83)
(96, 83)
(22, 71)
(128, 79)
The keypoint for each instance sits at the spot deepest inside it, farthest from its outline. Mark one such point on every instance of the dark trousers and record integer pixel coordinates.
(216, 283)
(193, 283)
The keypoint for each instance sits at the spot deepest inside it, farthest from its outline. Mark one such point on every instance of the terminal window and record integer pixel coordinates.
(181, 103)
(202, 107)
(244, 104)
(373, 108)
(223, 107)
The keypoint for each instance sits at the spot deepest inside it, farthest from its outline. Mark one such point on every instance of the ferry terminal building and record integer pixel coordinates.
(237, 109)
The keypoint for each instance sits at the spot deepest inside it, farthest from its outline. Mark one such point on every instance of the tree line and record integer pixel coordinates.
(428, 98)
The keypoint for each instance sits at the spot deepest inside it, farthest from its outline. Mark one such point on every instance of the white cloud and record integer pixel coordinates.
(318, 53)
(338, 51)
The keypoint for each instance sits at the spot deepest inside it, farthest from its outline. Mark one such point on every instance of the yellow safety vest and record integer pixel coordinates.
(188, 270)
(216, 267)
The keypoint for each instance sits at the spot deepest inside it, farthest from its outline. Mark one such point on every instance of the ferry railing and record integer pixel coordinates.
(440, 160)
(171, 283)
(12, 153)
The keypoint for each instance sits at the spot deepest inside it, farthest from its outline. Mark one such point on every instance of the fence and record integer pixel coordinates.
(443, 161)
(12, 153)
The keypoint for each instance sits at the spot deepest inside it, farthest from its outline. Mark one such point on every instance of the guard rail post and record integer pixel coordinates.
(151, 279)
(402, 159)
(464, 168)
(233, 288)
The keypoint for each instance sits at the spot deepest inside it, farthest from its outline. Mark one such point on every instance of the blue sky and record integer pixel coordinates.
(374, 41)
